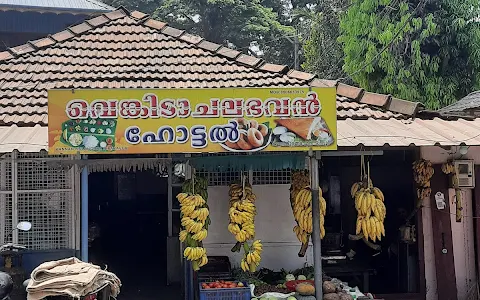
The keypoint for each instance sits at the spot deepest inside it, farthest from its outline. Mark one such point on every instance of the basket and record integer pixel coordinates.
(218, 267)
(241, 293)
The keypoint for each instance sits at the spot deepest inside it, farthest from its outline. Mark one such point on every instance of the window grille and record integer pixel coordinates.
(219, 178)
(32, 190)
(50, 214)
(271, 177)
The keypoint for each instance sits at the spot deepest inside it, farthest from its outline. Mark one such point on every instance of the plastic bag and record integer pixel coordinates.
(266, 295)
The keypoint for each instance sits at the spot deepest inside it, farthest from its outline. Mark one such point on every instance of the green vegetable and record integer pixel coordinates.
(291, 298)
(290, 277)
(301, 277)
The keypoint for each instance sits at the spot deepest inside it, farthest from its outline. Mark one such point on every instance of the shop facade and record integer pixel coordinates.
(55, 192)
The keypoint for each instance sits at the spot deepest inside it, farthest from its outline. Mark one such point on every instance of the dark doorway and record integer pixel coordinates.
(129, 221)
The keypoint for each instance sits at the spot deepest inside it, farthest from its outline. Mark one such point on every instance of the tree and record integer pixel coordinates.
(265, 28)
(323, 53)
(246, 25)
(145, 6)
(419, 50)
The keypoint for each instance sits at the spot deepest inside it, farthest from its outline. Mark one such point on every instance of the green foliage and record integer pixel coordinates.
(323, 53)
(238, 23)
(431, 48)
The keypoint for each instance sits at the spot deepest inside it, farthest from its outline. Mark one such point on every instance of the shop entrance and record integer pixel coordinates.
(128, 216)
(393, 268)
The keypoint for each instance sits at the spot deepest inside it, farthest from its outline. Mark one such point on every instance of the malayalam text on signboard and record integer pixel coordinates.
(191, 120)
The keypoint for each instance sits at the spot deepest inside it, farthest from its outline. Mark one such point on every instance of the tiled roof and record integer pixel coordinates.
(130, 50)
(56, 5)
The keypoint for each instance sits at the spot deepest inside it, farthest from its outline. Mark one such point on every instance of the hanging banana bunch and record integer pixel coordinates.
(301, 203)
(242, 216)
(449, 169)
(199, 185)
(422, 174)
(371, 210)
(252, 257)
(195, 219)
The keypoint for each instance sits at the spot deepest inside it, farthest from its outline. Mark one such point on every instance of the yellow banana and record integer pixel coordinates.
(358, 228)
(187, 251)
(378, 194)
(181, 197)
(203, 262)
(183, 235)
(256, 255)
(364, 228)
(373, 229)
(244, 266)
(354, 189)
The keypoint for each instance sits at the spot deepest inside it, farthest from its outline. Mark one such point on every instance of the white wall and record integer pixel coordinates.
(463, 249)
(462, 233)
(439, 155)
(430, 268)
(274, 226)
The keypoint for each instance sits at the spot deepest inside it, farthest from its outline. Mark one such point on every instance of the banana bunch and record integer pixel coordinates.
(422, 174)
(302, 212)
(369, 203)
(242, 216)
(252, 257)
(242, 212)
(194, 221)
(198, 185)
(448, 168)
(196, 254)
(301, 203)
(300, 179)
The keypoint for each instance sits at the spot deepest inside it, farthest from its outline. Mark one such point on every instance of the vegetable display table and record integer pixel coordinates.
(350, 269)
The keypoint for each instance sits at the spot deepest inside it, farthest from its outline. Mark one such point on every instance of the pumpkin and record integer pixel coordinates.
(305, 289)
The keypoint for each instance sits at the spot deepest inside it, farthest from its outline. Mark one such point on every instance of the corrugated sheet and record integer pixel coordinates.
(351, 133)
(34, 22)
(400, 133)
(83, 5)
(23, 139)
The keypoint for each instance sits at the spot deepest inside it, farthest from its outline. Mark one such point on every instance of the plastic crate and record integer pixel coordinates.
(241, 293)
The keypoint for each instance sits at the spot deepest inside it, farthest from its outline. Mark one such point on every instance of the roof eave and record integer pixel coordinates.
(40, 9)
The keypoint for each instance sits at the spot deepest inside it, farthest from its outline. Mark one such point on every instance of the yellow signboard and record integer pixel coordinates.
(121, 121)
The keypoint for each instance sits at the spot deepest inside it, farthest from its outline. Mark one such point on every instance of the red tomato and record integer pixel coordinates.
(207, 287)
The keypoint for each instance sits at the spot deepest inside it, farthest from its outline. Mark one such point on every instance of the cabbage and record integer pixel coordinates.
(301, 277)
(290, 277)
(291, 298)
